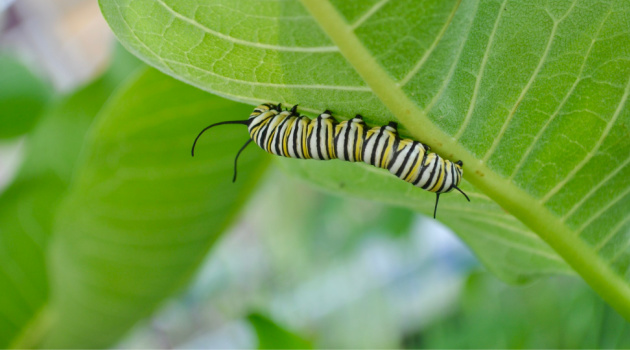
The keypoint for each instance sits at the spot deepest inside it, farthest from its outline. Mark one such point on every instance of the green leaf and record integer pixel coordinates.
(272, 336)
(560, 313)
(141, 213)
(23, 97)
(531, 95)
(24, 232)
(28, 205)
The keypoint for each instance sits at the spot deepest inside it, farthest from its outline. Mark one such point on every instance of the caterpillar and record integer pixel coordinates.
(286, 133)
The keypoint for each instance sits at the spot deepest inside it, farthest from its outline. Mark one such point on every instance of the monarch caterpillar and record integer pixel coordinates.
(286, 133)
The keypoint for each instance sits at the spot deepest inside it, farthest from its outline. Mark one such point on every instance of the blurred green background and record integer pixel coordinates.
(288, 266)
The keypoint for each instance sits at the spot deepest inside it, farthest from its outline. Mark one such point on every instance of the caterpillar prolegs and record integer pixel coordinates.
(286, 133)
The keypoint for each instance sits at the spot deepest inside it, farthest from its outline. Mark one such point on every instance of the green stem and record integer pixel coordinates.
(608, 284)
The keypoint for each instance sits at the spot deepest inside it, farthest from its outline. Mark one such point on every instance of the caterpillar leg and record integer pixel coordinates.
(237, 155)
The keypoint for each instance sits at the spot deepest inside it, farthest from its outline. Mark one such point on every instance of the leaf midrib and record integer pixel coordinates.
(531, 211)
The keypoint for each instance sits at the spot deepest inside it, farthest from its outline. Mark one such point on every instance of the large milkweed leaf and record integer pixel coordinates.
(140, 214)
(531, 95)
(27, 206)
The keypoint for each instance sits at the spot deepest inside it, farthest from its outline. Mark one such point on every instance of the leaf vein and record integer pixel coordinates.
(288, 86)
(578, 79)
(480, 74)
(529, 84)
(615, 230)
(594, 189)
(620, 252)
(602, 211)
(595, 149)
(368, 14)
(451, 71)
(434, 44)
(245, 42)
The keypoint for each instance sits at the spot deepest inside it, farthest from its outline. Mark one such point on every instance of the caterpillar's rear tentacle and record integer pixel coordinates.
(243, 122)
(237, 155)
(457, 188)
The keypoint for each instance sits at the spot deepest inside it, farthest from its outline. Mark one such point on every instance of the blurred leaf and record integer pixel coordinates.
(23, 97)
(141, 213)
(346, 223)
(531, 95)
(273, 336)
(25, 221)
(122, 65)
(55, 145)
(557, 313)
(28, 206)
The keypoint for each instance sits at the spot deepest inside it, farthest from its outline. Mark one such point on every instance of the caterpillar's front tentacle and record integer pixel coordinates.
(243, 122)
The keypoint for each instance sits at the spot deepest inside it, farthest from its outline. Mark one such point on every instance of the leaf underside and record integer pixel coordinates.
(532, 95)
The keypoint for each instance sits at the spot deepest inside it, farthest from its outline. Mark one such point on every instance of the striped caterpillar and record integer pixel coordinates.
(286, 133)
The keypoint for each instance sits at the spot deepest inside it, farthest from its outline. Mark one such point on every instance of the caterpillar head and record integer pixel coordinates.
(459, 166)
